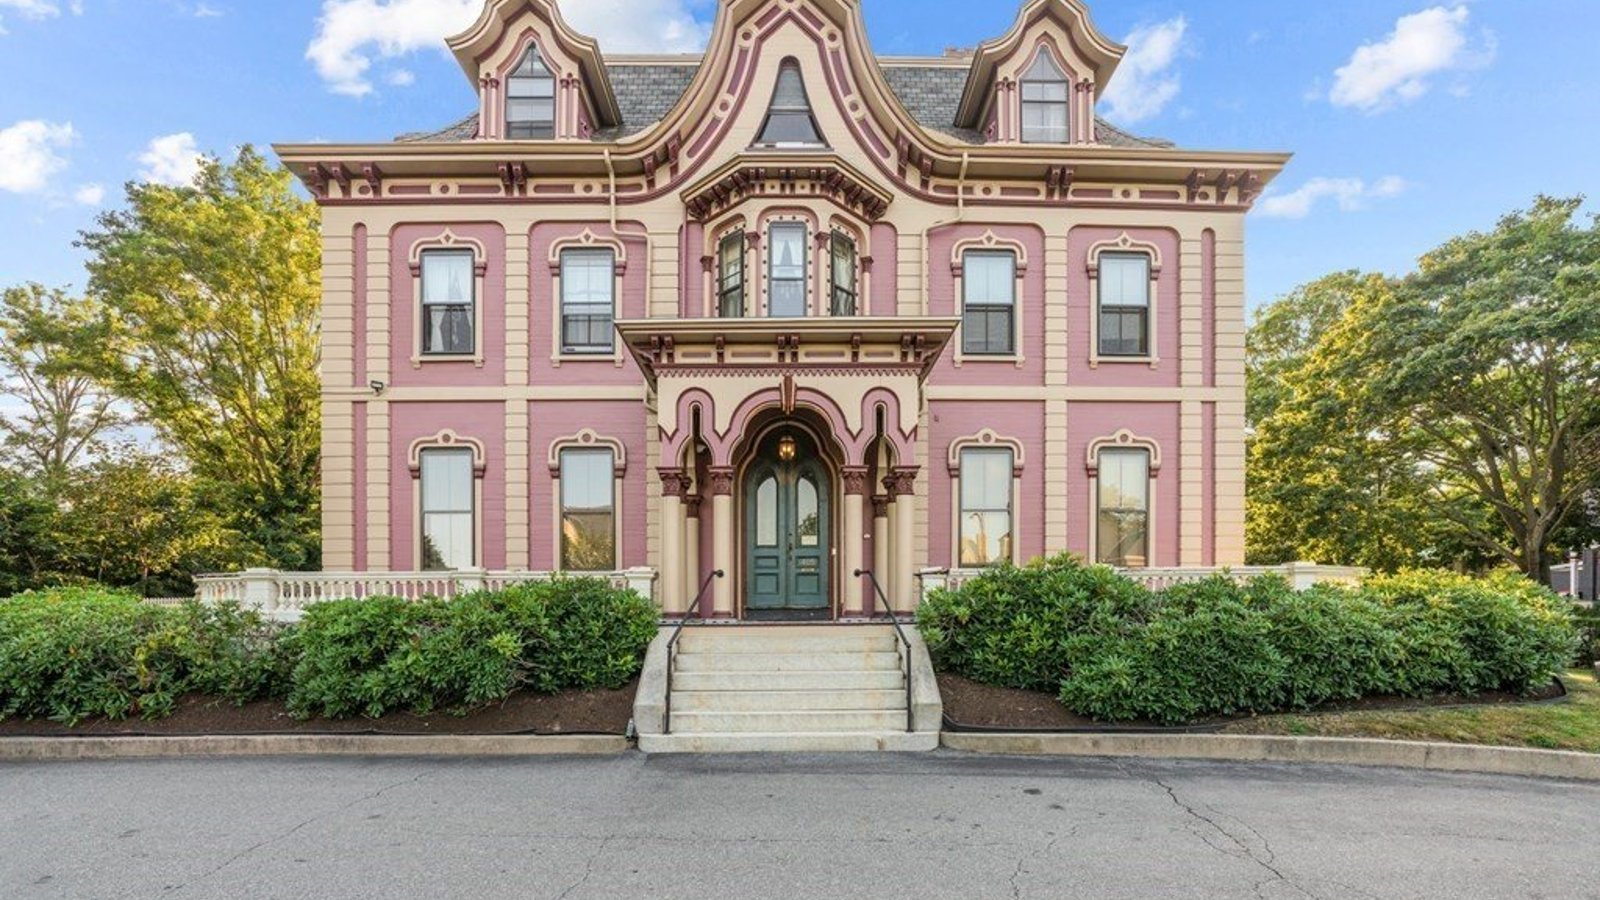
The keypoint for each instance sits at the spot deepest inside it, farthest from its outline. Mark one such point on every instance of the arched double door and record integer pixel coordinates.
(787, 523)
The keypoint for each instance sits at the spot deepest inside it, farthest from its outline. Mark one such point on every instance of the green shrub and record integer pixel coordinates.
(1026, 627)
(1588, 622)
(70, 654)
(1115, 653)
(370, 657)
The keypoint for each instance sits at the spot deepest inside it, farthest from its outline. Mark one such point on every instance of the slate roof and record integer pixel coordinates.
(647, 92)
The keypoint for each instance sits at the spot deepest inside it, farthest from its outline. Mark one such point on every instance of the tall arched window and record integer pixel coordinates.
(531, 99)
(789, 121)
(1044, 103)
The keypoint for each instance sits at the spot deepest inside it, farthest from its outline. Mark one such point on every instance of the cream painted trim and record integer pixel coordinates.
(446, 440)
(1124, 244)
(1123, 440)
(587, 439)
(447, 240)
(990, 242)
(497, 393)
(588, 240)
(986, 439)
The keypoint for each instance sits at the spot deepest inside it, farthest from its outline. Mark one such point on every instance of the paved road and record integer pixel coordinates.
(710, 828)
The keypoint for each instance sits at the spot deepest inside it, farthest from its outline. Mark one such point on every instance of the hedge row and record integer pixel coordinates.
(1114, 651)
(69, 655)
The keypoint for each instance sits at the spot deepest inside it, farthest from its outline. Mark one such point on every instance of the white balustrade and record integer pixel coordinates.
(1300, 575)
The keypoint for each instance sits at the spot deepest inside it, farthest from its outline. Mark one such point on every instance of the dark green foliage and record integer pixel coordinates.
(1588, 636)
(71, 654)
(371, 657)
(1217, 648)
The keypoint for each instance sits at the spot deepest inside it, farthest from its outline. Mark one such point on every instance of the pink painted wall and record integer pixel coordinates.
(482, 421)
(1157, 421)
(885, 298)
(1081, 304)
(550, 421)
(943, 300)
(950, 420)
(543, 300)
(404, 310)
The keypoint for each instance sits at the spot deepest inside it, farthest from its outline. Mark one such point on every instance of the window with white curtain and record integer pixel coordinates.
(1045, 92)
(449, 289)
(449, 516)
(786, 269)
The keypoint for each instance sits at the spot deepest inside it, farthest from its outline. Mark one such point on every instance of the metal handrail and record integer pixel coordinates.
(894, 619)
(672, 643)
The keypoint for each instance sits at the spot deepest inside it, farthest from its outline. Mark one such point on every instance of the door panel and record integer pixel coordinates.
(786, 535)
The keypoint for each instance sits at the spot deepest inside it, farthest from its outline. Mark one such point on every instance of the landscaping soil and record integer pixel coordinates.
(573, 712)
(969, 705)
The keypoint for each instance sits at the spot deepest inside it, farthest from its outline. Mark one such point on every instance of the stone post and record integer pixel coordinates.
(902, 489)
(672, 490)
(259, 590)
(855, 491)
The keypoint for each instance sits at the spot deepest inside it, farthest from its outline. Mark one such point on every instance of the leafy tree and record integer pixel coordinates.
(211, 332)
(64, 413)
(26, 517)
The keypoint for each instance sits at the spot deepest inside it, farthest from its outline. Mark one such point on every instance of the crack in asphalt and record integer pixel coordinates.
(588, 869)
(283, 835)
(1242, 849)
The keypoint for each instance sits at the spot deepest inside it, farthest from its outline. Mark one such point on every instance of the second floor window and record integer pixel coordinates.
(1044, 103)
(986, 524)
(1124, 324)
(730, 276)
(843, 272)
(449, 286)
(531, 99)
(449, 520)
(786, 269)
(988, 303)
(588, 511)
(588, 300)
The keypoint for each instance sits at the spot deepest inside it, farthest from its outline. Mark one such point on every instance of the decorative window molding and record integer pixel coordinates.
(447, 240)
(986, 439)
(989, 242)
(1122, 440)
(445, 440)
(587, 240)
(763, 241)
(586, 440)
(1124, 243)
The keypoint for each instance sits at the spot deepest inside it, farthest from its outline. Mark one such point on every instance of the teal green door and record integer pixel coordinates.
(787, 518)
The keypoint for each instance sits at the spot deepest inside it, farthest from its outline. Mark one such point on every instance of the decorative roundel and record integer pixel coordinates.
(444, 188)
(1127, 194)
(588, 189)
(363, 190)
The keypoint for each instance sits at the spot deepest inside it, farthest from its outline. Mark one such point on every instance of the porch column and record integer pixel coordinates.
(672, 490)
(855, 492)
(722, 537)
(880, 550)
(691, 548)
(903, 488)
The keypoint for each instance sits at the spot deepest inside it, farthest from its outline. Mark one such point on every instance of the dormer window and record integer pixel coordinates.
(1044, 103)
(531, 99)
(789, 120)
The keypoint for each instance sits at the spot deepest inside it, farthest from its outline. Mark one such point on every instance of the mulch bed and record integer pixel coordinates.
(574, 712)
(970, 706)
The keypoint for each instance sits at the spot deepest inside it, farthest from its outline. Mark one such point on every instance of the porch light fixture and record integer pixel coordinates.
(786, 448)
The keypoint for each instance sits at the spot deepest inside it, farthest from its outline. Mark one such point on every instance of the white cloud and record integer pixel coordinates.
(90, 194)
(29, 154)
(1401, 67)
(401, 78)
(32, 9)
(353, 34)
(173, 159)
(1351, 195)
(1145, 83)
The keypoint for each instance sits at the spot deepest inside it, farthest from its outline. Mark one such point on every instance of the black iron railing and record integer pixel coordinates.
(693, 612)
(905, 642)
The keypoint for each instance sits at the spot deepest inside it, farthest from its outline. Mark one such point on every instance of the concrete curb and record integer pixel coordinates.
(24, 749)
(1281, 749)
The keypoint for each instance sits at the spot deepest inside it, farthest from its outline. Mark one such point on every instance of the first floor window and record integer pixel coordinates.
(449, 289)
(449, 529)
(588, 511)
(986, 526)
(988, 303)
(843, 272)
(588, 300)
(1124, 304)
(786, 270)
(730, 276)
(1122, 526)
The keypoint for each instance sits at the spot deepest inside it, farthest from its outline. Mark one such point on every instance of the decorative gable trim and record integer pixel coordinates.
(1100, 53)
(487, 37)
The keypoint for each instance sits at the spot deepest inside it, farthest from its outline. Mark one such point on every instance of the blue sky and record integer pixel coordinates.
(1411, 121)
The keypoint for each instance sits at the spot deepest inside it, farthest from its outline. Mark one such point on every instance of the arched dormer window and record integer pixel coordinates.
(1044, 102)
(531, 99)
(789, 120)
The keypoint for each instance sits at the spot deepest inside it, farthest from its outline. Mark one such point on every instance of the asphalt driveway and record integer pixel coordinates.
(937, 825)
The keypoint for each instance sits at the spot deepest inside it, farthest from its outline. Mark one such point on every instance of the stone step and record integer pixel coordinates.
(785, 640)
(808, 722)
(787, 701)
(684, 682)
(812, 742)
(798, 661)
